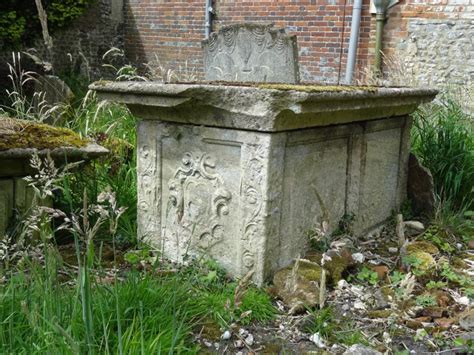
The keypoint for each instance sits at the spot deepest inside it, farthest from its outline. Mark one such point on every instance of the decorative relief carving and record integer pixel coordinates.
(252, 184)
(251, 52)
(149, 194)
(197, 204)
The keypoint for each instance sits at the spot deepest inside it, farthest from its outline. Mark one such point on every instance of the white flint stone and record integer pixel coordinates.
(226, 335)
(342, 284)
(317, 340)
(358, 257)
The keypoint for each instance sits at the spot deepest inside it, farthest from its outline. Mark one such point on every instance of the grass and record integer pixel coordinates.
(141, 314)
(324, 323)
(443, 137)
(112, 126)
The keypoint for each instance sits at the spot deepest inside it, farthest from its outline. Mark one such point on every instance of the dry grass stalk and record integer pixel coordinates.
(400, 231)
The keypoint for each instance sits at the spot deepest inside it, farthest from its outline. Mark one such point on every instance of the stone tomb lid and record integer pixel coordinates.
(262, 107)
(20, 139)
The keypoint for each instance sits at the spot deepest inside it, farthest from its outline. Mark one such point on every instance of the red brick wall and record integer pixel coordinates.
(173, 30)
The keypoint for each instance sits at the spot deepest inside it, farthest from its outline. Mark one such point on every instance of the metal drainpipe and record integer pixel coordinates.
(355, 26)
(208, 19)
(380, 16)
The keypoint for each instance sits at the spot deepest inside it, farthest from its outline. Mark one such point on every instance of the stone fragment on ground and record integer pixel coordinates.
(359, 349)
(412, 228)
(298, 285)
(420, 187)
(466, 319)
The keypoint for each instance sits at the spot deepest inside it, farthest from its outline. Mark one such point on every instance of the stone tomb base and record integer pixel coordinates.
(249, 190)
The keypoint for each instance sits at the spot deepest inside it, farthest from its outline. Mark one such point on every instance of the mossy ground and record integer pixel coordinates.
(16, 133)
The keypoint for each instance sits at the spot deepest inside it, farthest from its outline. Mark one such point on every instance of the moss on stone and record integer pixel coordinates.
(309, 271)
(422, 245)
(316, 88)
(423, 263)
(16, 133)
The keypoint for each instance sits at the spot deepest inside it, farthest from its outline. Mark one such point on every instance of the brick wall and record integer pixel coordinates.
(173, 30)
(428, 39)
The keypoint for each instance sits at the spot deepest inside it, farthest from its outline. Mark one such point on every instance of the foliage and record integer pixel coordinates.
(19, 23)
(21, 105)
(425, 300)
(443, 138)
(12, 27)
(439, 238)
(323, 323)
(368, 276)
(397, 277)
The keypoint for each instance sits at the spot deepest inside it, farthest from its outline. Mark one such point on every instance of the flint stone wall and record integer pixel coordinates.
(439, 52)
(251, 53)
(243, 174)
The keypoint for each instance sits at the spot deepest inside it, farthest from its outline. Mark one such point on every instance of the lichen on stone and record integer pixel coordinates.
(15, 133)
(316, 88)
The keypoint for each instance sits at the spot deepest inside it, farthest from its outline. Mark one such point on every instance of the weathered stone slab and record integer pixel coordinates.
(15, 195)
(6, 204)
(251, 53)
(243, 174)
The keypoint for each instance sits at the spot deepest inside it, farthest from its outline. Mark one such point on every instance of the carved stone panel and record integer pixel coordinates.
(148, 171)
(200, 194)
(197, 202)
(251, 53)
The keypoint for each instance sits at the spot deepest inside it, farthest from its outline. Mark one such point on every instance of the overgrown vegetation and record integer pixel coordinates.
(19, 23)
(443, 137)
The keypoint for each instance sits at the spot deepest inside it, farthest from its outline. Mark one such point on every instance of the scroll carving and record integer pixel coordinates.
(252, 184)
(197, 205)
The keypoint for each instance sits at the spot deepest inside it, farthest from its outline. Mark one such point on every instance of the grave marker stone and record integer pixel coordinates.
(251, 53)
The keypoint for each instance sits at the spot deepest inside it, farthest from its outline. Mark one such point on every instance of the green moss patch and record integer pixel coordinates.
(316, 88)
(16, 133)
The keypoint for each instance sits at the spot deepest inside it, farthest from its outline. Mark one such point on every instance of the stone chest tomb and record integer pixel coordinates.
(243, 173)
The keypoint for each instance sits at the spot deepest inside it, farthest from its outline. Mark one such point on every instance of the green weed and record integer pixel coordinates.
(368, 276)
(324, 323)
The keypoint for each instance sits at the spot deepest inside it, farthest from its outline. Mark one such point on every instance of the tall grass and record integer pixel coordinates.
(443, 137)
(154, 315)
(113, 126)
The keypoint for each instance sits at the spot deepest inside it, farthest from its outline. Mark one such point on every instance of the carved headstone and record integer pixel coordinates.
(251, 53)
